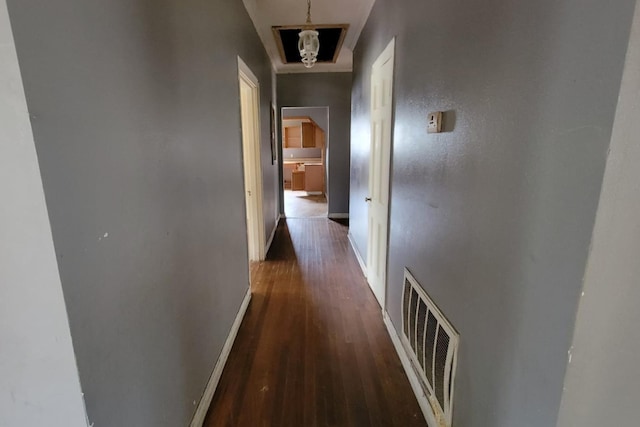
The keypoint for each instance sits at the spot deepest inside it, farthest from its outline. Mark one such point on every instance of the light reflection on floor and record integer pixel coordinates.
(299, 204)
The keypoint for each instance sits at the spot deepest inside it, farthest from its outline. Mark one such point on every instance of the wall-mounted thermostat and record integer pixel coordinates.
(435, 122)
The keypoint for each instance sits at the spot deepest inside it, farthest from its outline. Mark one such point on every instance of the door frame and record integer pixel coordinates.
(326, 151)
(388, 54)
(252, 164)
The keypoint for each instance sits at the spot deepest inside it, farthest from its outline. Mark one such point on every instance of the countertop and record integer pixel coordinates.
(307, 161)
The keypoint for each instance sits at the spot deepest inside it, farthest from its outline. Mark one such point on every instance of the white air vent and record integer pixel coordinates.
(432, 345)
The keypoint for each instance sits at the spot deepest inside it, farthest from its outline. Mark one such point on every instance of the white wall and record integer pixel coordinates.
(39, 383)
(602, 386)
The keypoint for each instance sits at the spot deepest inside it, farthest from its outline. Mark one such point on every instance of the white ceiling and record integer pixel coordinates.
(268, 13)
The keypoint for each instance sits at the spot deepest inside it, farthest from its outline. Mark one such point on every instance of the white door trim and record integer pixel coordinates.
(377, 254)
(252, 164)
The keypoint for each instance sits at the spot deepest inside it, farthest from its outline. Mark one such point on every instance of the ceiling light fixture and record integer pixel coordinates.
(308, 45)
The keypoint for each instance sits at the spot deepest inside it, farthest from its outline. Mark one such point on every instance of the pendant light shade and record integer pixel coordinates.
(309, 44)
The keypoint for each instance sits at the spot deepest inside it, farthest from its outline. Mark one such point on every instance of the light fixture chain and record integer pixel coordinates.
(308, 44)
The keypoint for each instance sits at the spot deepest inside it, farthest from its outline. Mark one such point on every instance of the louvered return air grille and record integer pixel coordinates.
(432, 345)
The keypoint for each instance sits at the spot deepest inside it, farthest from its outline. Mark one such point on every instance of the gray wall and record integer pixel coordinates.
(302, 153)
(332, 90)
(602, 385)
(136, 118)
(39, 382)
(494, 215)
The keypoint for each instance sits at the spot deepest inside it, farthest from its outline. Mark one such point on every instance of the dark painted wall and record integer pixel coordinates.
(322, 90)
(135, 111)
(494, 215)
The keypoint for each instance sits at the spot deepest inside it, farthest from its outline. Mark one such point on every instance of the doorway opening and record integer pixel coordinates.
(304, 161)
(252, 167)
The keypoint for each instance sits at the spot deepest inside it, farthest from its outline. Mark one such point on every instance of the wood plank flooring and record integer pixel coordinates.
(313, 349)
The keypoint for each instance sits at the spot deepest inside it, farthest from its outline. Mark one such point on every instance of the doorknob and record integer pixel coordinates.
(367, 199)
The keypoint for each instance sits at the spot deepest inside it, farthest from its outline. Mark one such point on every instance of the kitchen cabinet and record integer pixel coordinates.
(314, 178)
(297, 180)
(308, 135)
(301, 132)
(287, 171)
(292, 136)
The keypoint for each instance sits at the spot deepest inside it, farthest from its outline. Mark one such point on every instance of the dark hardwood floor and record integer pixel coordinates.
(313, 349)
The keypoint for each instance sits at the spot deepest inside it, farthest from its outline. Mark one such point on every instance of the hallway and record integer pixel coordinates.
(312, 349)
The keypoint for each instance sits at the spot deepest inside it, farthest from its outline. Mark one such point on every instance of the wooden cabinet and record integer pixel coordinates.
(292, 136)
(319, 137)
(287, 170)
(314, 178)
(303, 169)
(297, 180)
(308, 135)
(301, 132)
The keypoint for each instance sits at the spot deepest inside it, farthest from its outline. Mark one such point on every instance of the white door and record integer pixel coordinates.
(379, 165)
(250, 117)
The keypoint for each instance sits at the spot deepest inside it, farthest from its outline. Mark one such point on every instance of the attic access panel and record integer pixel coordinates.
(330, 36)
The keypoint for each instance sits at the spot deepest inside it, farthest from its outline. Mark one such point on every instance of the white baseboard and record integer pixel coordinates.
(205, 402)
(315, 193)
(273, 234)
(363, 266)
(423, 401)
(338, 216)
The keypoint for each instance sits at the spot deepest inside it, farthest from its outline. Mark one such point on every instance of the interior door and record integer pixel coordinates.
(252, 168)
(379, 166)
